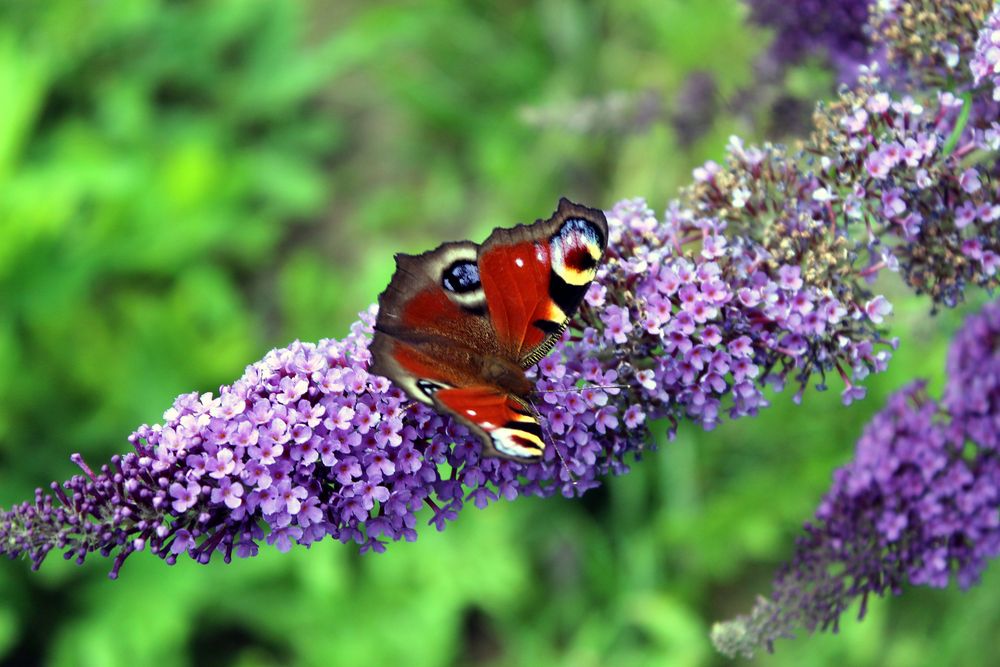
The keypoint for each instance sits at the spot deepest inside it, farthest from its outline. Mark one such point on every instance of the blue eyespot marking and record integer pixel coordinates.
(461, 277)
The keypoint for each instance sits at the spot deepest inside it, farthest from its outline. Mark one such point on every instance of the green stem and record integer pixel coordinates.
(963, 119)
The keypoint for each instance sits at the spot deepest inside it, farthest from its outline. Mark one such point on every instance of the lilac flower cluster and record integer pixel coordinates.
(985, 62)
(835, 30)
(943, 46)
(972, 396)
(307, 443)
(720, 323)
(918, 504)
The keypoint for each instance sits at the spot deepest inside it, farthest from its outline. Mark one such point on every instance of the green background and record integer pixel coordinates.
(184, 185)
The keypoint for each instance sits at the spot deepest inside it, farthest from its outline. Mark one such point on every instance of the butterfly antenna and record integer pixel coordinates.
(577, 390)
(549, 438)
(409, 406)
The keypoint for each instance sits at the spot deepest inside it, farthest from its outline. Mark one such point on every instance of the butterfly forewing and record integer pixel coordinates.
(535, 276)
(432, 322)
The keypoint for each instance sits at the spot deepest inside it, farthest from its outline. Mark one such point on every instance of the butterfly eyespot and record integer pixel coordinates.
(576, 251)
(461, 277)
(582, 227)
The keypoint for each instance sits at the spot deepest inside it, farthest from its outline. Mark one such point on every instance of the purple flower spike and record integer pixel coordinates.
(919, 504)
(307, 444)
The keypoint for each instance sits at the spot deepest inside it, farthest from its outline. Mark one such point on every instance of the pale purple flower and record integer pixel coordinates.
(365, 418)
(790, 277)
(618, 324)
(877, 309)
(292, 497)
(184, 496)
(267, 452)
(892, 202)
(229, 493)
(221, 464)
(969, 181)
(965, 215)
(256, 474)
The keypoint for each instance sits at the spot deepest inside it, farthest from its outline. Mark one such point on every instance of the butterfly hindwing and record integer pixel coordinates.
(506, 424)
(458, 325)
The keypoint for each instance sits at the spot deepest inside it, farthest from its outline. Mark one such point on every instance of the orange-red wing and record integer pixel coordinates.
(516, 282)
(504, 424)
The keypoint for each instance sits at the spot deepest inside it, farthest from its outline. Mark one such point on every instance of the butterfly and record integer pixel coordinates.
(459, 325)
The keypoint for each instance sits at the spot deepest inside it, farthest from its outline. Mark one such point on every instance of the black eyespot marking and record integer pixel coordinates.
(429, 388)
(461, 277)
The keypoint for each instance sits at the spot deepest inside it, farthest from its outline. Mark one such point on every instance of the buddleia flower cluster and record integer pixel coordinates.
(928, 43)
(918, 505)
(914, 173)
(683, 323)
(985, 61)
(945, 47)
(884, 183)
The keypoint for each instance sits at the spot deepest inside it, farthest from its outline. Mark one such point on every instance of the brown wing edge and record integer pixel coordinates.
(412, 274)
(565, 210)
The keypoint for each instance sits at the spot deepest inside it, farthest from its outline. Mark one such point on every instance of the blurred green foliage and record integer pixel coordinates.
(186, 184)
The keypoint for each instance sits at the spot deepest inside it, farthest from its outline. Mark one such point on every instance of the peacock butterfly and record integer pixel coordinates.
(458, 326)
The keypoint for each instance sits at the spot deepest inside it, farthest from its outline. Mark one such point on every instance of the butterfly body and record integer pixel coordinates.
(459, 325)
